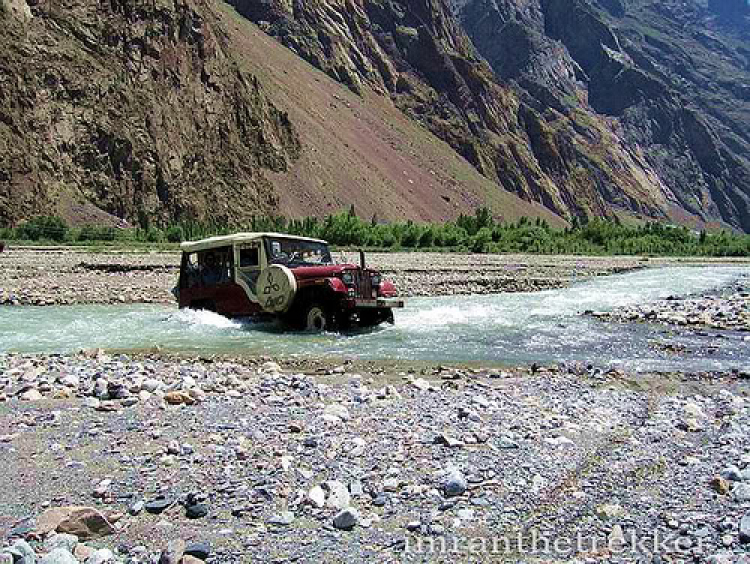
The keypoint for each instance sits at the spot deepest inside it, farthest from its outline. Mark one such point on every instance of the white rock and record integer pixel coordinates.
(59, 556)
(337, 410)
(421, 384)
(151, 384)
(270, 367)
(692, 409)
(68, 542)
(317, 496)
(71, 381)
(32, 395)
(102, 488)
(338, 494)
(101, 556)
(91, 403)
(286, 462)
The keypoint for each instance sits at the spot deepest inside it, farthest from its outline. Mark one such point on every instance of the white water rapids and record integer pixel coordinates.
(494, 329)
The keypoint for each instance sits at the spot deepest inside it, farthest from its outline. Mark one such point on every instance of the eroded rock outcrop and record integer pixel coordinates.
(667, 78)
(137, 107)
(417, 53)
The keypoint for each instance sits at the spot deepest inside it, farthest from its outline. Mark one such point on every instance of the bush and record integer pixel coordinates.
(50, 228)
(481, 241)
(427, 239)
(154, 235)
(95, 233)
(175, 234)
(411, 236)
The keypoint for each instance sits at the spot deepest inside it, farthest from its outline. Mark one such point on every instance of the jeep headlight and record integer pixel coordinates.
(376, 279)
(347, 278)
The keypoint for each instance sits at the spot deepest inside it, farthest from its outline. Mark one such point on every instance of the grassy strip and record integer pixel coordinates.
(478, 233)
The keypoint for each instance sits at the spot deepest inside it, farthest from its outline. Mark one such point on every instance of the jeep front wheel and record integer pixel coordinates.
(316, 318)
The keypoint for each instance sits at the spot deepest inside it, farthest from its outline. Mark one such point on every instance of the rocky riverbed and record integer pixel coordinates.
(253, 461)
(725, 309)
(70, 276)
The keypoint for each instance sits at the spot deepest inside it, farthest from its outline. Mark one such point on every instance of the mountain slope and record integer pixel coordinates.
(670, 75)
(154, 112)
(423, 109)
(417, 54)
(361, 150)
(577, 109)
(138, 108)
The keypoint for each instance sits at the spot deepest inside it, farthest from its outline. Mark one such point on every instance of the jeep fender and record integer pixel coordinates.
(337, 285)
(387, 289)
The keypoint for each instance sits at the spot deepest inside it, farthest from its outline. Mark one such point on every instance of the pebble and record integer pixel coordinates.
(68, 542)
(338, 494)
(732, 473)
(346, 519)
(158, 505)
(455, 484)
(22, 553)
(741, 492)
(196, 511)
(173, 552)
(744, 529)
(32, 395)
(137, 507)
(199, 550)
(317, 496)
(101, 556)
(283, 519)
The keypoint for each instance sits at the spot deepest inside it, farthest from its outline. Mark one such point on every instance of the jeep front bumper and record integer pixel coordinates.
(377, 303)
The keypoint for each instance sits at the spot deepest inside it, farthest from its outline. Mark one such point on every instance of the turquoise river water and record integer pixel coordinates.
(493, 329)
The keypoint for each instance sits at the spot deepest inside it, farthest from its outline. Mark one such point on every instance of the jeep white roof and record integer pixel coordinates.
(224, 240)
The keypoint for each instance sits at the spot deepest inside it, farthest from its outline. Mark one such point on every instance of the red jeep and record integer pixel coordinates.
(255, 274)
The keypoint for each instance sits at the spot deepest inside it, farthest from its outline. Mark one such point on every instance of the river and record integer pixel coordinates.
(497, 329)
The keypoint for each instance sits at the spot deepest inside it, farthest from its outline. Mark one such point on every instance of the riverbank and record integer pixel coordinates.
(726, 309)
(318, 462)
(70, 276)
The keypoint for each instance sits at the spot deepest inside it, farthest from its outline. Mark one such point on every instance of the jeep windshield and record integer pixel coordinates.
(296, 252)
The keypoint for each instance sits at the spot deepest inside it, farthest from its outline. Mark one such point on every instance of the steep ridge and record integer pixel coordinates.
(138, 108)
(670, 76)
(155, 112)
(361, 150)
(417, 54)
(577, 109)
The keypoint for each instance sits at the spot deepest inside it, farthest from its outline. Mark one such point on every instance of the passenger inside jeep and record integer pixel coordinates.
(214, 268)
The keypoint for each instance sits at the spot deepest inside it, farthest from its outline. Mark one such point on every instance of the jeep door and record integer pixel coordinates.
(249, 260)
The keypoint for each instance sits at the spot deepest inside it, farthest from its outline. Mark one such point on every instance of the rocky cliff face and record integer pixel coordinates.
(667, 76)
(582, 106)
(596, 107)
(135, 107)
(417, 53)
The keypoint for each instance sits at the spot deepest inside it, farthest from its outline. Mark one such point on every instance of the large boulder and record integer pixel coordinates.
(83, 522)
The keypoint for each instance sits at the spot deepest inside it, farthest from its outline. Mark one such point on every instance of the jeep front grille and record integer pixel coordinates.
(364, 284)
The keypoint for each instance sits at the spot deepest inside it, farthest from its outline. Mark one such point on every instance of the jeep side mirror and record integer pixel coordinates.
(362, 259)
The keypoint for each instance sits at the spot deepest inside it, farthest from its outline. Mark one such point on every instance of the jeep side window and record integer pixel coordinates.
(249, 257)
(249, 269)
(296, 252)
